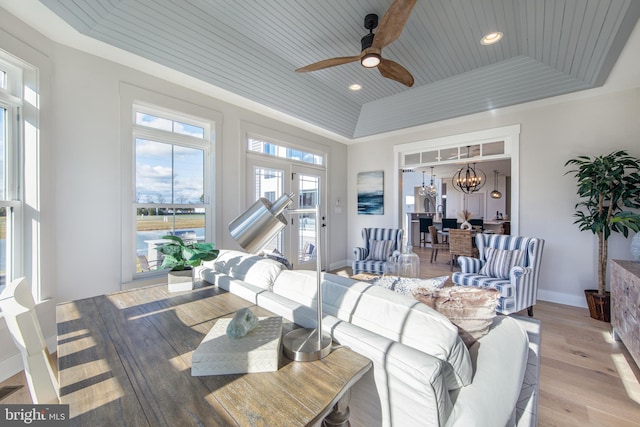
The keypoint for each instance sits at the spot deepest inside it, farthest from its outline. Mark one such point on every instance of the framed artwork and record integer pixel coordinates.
(370, 187)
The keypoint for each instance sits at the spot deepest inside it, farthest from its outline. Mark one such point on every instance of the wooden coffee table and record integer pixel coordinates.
(125, 358)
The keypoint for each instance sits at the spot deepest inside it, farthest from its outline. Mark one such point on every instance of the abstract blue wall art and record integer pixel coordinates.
(371, 193)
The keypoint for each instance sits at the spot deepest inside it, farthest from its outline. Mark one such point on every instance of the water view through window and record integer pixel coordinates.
(169, 186)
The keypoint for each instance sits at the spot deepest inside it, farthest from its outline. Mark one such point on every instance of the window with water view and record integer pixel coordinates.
(171, 158)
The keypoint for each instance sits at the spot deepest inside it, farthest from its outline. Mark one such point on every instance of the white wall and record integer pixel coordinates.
(88, 209)
(550, 135)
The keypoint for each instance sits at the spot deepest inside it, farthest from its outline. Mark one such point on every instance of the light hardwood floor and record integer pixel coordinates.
(586, 378)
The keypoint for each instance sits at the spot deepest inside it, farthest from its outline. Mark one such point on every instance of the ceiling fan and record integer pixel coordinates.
(372, 44)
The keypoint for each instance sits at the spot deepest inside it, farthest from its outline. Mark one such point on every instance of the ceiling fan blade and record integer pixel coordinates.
(328, 63)
(392, 70)
(392, 23)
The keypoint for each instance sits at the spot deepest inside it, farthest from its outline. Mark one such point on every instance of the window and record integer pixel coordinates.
(10, 171)
(172, 192)
(272, 149)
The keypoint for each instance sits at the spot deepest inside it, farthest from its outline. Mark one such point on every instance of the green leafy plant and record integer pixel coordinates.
(180, 256)
(606, 186)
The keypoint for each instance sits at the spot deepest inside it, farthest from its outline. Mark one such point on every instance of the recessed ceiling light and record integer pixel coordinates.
(355, 87)
(491, 38)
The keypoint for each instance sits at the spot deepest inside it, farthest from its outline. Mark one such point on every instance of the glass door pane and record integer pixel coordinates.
(269, 183)
(307, 185)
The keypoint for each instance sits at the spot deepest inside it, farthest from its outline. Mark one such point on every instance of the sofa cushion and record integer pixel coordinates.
(393, 316)
(471, 309)
(256, 270)
(500, 262)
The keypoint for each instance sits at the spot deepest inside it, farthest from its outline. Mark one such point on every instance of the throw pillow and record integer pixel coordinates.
(407, 285)
(470, 308)
(380, 250)
(277, 256)
(500, 262)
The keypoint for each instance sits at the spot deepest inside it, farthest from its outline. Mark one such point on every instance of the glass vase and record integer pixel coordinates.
(408, 263)
(635, 247)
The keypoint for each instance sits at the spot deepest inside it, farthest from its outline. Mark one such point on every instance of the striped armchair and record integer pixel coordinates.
(518, 285)
(366, 264)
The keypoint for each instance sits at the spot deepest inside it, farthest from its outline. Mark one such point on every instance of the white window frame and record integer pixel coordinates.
(11, 99)
(179, 110)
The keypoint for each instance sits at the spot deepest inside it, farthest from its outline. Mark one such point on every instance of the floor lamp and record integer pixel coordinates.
(253, 230)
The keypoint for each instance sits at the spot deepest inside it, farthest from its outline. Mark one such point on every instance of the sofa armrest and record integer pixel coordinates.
(360, 253)
(398, 370)
(469, 264)
(500, 362)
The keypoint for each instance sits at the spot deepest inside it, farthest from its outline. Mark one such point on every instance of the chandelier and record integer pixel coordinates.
(431, 189)
(495, 194)
(468, 179)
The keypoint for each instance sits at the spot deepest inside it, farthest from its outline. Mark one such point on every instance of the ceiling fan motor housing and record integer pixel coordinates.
(371, 21)
(367, 41)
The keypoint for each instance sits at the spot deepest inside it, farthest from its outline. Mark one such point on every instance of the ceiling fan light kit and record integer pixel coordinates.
(370, 60)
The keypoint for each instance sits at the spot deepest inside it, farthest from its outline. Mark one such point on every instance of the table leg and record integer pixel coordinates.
(339, 417)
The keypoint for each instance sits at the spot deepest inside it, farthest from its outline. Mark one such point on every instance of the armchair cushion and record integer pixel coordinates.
(380, 250)
(500, 262)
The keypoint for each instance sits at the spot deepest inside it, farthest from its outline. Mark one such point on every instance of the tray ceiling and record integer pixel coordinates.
(251, 48)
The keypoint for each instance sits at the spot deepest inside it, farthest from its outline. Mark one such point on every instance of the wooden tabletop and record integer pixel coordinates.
(125, 359)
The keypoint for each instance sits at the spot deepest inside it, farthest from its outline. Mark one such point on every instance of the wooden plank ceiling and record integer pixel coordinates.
(251, 48)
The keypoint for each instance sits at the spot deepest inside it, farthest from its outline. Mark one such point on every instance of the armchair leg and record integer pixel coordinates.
(530, 311)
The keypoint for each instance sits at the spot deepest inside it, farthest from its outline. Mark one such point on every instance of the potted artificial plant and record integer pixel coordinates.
(181, 258)
(607, 186)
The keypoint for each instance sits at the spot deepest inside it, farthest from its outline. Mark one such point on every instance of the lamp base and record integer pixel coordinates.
(301, 345)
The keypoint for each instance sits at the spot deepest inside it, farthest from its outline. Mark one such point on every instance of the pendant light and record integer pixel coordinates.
(423, 189)
(432, 190)
(495, 194)
(468, 179)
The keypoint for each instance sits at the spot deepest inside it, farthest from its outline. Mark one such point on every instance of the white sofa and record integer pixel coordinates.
(423, 375)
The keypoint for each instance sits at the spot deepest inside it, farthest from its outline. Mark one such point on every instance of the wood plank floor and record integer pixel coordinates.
(586, 378)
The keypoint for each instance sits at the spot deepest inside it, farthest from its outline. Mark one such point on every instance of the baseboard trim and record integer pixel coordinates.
(561, 298)
(338, 265)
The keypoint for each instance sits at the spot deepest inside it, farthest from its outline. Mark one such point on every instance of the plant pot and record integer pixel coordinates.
(599, 305)
(180, 280)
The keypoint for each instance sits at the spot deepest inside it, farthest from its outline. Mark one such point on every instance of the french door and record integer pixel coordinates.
(271, 179)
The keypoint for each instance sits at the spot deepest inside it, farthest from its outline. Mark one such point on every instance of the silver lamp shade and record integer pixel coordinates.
(254, 228)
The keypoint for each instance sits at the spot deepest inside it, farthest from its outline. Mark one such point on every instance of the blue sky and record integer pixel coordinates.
(156, 178)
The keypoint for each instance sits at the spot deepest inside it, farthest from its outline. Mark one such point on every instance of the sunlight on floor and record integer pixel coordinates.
(79, 340)
(608, 337)
(627, 376)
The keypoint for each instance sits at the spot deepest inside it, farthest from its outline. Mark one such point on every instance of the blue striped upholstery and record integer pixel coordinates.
(521, 290)
(361, 264)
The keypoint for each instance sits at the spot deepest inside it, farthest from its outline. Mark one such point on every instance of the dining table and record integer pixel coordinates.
(125, 359)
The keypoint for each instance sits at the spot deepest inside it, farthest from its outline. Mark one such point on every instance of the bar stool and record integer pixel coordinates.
(425, 223)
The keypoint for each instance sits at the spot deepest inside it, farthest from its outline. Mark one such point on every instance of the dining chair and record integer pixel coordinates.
(461, 244)
(19, 310)
(425, 223)
(436, 245)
